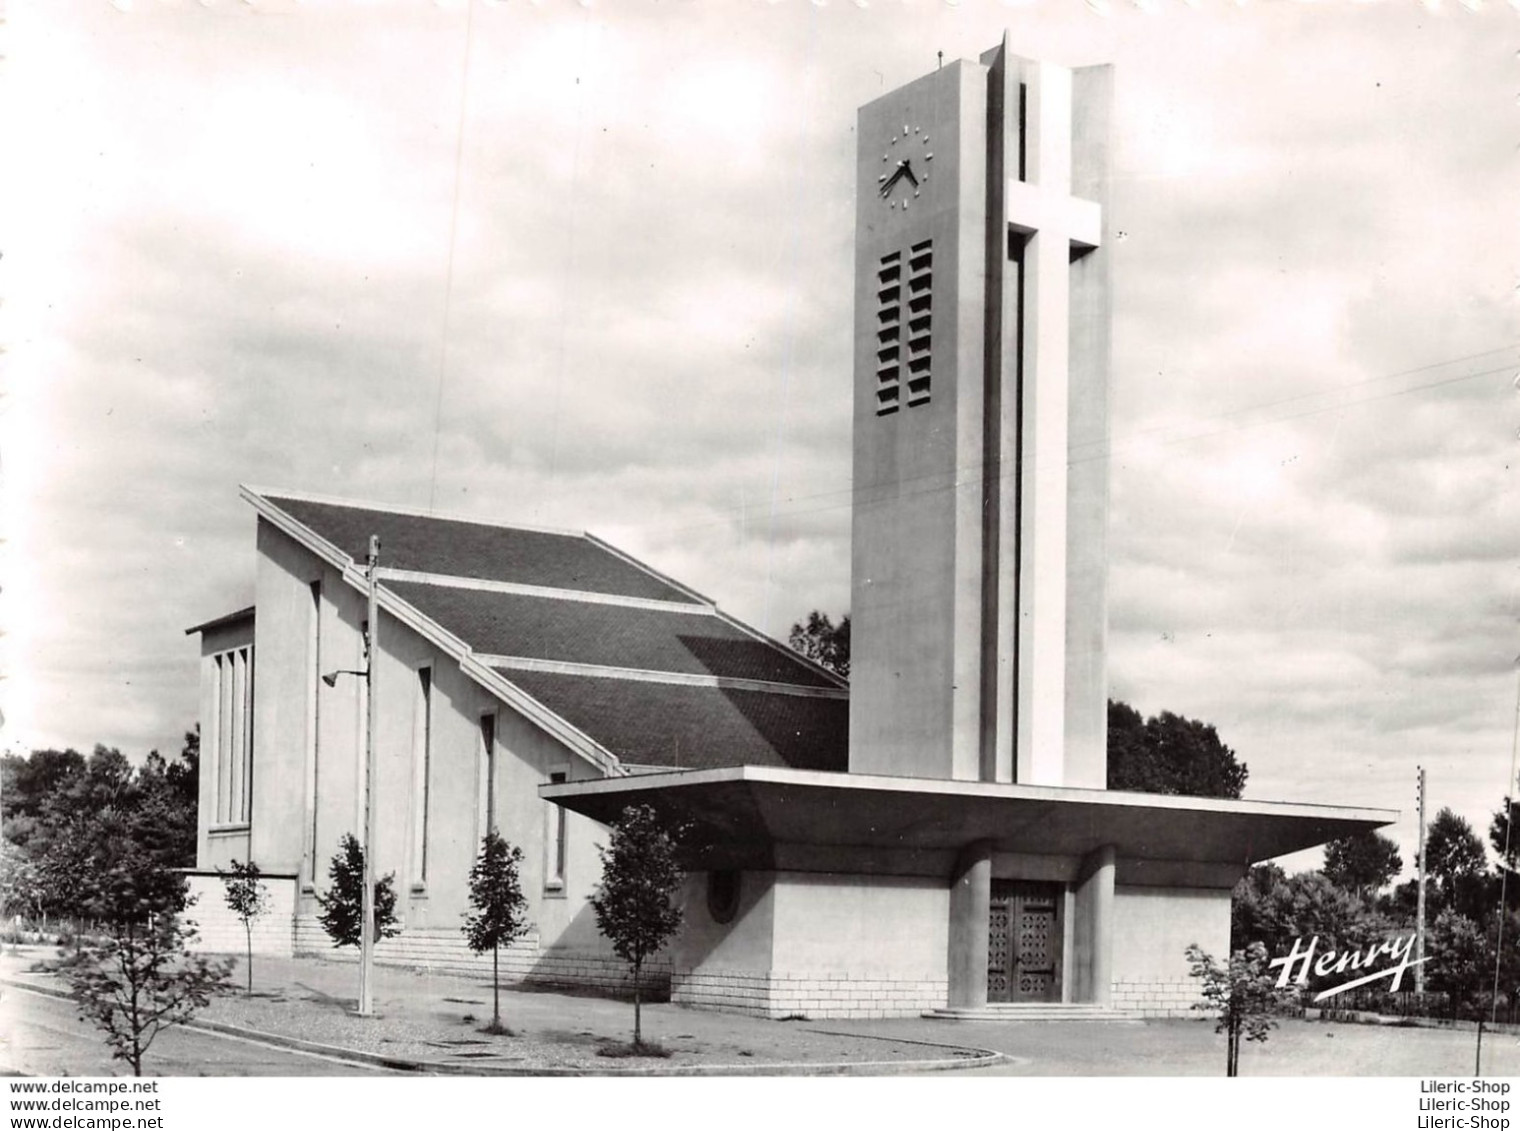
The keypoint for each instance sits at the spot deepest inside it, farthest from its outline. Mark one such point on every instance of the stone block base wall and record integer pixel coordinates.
(438, 951)
(813, 995)
(221, 932)
(1158, 999)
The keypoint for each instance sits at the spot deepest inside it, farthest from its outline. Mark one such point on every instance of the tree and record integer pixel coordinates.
(343, 902)
(1508, 944)
(27, 783)
(76, 816)
(142, 979)
(500, 914)
(1461, 960)
(1243, 993)
(633, 904)
(161, 823)
(823, 641)
(1274, 909)
(20, 887)
(248, 898)
(1253, 912)
(72, 846)
(1363, 863)
(1503, 835)
(1169, 754)
(1457, 863)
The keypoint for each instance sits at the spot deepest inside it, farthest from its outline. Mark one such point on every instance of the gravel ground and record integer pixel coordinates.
(437, 1019)
(451, 1033)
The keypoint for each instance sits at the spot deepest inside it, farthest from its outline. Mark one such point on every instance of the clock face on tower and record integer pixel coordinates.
(905, 161)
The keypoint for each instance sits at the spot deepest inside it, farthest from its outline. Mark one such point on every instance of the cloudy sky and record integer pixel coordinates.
(589, 265)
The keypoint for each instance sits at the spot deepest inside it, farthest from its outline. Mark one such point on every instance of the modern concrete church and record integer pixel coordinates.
(936, 834)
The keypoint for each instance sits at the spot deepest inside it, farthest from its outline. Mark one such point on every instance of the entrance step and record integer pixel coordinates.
(1034, 1011)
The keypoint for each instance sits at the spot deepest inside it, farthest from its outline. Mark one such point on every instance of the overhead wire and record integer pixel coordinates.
(448, 283)
(1108, 448)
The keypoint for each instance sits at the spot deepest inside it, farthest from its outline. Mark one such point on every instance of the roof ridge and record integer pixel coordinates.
(504, 662)
(544, 592)
(409, 511)
(658, 575)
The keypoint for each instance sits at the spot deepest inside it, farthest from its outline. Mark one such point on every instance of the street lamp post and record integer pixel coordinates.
(367, 904)
(367, 896)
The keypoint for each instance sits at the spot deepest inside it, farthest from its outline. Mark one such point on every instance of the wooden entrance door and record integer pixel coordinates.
(1024, 940)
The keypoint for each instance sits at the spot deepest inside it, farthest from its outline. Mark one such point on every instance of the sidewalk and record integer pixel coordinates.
(431, 1023)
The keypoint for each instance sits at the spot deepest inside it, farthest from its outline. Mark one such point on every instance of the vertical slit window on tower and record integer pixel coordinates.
(889, 332)
(920, 300)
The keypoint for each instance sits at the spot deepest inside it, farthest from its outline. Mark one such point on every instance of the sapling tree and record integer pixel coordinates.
(142, 979)
(248, 898)
(1243, 994)
(500, 910)
(343, 902)
(633, 906)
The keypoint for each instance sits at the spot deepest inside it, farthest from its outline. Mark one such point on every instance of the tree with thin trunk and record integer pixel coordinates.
(633, 906)
(1243, 994)
(500, 914)
(142, 978)
(248, 898)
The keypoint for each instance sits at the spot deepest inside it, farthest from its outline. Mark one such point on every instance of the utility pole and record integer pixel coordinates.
(367, 900)
(1419, 911)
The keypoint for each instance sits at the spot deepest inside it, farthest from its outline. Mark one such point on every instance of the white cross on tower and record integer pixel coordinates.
(1054, 227)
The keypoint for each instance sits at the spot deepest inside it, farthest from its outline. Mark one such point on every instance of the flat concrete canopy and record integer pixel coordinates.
(760, 817)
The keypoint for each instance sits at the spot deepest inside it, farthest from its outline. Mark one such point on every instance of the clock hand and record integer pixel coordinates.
(907, 168)
(886, 187)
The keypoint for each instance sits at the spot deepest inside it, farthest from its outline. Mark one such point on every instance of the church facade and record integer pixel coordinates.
(935, 836)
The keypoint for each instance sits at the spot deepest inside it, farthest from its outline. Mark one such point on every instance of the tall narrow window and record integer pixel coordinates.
(247, 737)
(488, 767)
(313, 727)
(238, 770)
(231, 754)
(223, 749)
(555, 849)
(424, 760)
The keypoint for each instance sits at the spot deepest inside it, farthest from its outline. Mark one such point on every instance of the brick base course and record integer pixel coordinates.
(1157, 998)
(222, 932)
(774, 995)
(810, 994)
(525, 962)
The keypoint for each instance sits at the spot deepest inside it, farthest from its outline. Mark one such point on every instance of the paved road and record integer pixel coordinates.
(42, 1036)
(1192, 1048)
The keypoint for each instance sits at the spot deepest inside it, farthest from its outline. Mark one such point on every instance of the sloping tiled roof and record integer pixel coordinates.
(458, 548)
(654, 686)
(620, 636)
(697, 728)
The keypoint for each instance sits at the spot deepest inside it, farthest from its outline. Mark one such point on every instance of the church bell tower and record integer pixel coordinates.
(982, 303)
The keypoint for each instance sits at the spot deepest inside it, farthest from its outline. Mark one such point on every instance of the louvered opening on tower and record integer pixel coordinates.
(904, 301)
